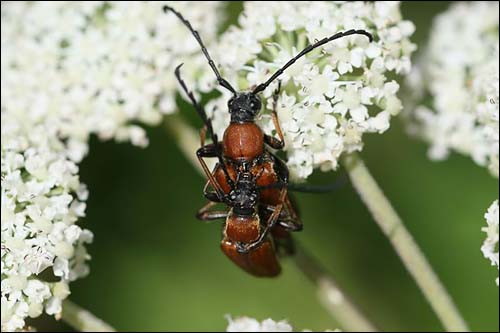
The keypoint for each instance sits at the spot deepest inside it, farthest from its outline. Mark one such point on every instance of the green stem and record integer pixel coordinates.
(331, 296)
(404, 244)
(187, 139)
(82, 320)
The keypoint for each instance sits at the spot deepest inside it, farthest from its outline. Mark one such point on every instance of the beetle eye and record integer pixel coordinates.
(255, 104)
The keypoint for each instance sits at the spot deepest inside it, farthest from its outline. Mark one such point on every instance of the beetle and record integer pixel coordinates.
(244, 224)
(244, 147)
(246, 213)
(248, 208)
(249, 178)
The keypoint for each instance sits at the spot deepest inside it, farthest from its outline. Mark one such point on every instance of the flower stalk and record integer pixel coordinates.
(186, 138)
(83, 320)
(404, 244)
(331, 296)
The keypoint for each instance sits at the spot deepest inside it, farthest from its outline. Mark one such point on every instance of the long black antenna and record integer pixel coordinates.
(263, 86)
(208, 123)
(223, 82)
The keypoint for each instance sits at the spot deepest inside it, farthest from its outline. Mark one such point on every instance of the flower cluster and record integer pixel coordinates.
(246, 324)
(70, 70)
(459, 72)
(335, 94)
(490, 245)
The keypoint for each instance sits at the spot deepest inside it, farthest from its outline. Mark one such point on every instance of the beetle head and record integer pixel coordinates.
(245, 196)
(244, 107)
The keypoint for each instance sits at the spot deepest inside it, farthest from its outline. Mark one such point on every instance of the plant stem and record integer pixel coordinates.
(83, 320)
(186, 138)
(331, 296)
(404, 244)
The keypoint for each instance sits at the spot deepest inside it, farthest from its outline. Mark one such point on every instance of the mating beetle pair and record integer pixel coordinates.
(249, 178)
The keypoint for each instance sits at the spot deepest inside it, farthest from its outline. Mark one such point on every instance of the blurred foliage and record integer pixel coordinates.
(155, 267)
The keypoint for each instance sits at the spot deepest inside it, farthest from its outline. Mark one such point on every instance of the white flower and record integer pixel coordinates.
(246, 324)
(68, 71)
(490, 245)
(459, 70)
(334, 95)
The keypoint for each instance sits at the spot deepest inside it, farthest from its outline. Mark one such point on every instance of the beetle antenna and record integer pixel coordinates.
(208, 123)
(261, 87)
(201, 112)
(223, 82)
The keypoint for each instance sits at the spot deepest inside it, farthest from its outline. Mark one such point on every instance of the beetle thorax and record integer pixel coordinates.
(243, 141)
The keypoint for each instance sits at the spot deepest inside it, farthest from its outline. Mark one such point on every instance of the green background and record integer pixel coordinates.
(155, 267)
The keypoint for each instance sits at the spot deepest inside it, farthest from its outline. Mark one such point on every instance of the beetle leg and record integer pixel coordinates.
(295, 221)
(288, 218)
(272, 141)
(205, 214)
(209, 150)
(206, 150)
(283, 175)
(203, 134)
(280, 168)
(213, 196)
